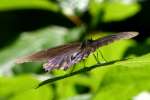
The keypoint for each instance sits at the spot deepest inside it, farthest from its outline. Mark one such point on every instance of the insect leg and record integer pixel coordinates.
(102, 55)
(84, 62)
(96, 57)
(73, 67)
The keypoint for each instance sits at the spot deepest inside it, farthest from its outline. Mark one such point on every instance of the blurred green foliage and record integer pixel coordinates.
(112, 11)
(120, 81)
(23, 87)
(27, 4)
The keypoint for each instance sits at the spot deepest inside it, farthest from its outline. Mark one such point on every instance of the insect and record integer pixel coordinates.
(63, 57)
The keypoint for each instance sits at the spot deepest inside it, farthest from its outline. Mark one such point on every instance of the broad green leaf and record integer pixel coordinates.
(23, 88)
(116, 50)
(27, 4)
(119, 11)
(125, 79)
(105, 10)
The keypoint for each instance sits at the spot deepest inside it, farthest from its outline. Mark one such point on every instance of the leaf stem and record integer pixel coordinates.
(83, 70)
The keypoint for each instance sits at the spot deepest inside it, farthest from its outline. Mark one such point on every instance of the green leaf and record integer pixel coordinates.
(27, 4)
(113, 10)
(128, 78)
(120, 11)
(122, 76)
(23, 88)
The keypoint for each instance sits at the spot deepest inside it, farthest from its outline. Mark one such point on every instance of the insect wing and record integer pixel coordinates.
(111, 38)
(49, 53)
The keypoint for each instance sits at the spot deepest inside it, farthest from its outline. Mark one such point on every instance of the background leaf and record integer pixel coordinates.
(23, 87)
(28, 4)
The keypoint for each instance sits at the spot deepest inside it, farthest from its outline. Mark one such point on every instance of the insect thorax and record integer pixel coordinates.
(86, 43)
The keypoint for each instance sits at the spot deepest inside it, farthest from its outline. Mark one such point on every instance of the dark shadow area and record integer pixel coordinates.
(82, 89)
(13, 22)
